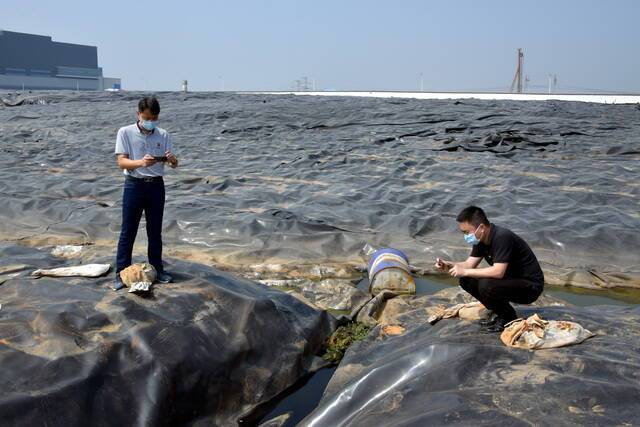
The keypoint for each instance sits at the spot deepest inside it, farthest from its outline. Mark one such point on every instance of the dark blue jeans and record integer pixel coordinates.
(141, 196)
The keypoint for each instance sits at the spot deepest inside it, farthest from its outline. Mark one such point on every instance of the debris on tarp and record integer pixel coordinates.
(87, 270)
(393, 330)
(139, 277)
(536, 333)
(370, 314)
(66, 251)
(18, 101)
(468, 311)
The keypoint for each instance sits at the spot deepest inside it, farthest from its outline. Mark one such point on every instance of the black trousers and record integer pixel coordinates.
(148, 197)
(496, 294)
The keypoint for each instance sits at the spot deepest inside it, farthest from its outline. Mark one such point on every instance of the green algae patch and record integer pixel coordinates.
(342, 338)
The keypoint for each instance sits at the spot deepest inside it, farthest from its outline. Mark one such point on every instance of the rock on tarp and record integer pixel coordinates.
(451, 373)
(207, 349)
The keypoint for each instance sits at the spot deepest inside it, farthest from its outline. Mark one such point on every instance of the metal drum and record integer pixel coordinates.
(389, 270)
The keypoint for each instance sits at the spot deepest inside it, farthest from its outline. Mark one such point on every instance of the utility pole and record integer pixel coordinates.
(555, 82)
(517, 79)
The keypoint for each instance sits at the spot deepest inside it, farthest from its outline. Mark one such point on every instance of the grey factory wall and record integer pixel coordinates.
(48, 83)
(34, 52)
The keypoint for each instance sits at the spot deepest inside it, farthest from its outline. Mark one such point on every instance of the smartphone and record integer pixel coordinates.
(441, 262)
(160, 158)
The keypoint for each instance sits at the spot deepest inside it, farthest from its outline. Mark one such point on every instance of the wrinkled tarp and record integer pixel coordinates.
(451, 373)
(17, 101)
(209, 348)
(303, 181)
(328, 294)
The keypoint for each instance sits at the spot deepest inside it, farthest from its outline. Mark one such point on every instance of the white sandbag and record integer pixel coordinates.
(88, 270)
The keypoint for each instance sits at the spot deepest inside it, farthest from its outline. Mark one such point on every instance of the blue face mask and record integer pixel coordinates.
(148, 124)
(471, 238)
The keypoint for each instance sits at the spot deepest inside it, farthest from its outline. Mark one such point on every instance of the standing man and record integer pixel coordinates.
(141, 151)
(513, 275)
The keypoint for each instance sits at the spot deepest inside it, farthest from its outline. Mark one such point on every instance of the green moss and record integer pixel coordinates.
(342, 338)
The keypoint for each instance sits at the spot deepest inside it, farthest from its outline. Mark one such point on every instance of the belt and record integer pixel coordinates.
(145, 179)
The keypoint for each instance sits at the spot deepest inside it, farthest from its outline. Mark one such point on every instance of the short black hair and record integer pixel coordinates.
(473, 215)
(149, 103)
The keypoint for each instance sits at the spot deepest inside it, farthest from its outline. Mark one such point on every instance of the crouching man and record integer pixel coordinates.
(514, 274)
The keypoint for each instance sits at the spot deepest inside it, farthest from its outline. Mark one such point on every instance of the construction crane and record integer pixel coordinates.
(517, 79)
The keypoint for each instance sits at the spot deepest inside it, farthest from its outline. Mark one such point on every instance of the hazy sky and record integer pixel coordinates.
(384, 45)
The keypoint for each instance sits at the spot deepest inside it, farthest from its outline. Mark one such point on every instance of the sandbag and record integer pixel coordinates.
(87, 270)
(139, 277)
(467, 311)
(535, 333)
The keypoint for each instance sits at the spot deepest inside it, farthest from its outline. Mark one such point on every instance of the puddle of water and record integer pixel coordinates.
(427, 285)
(424, 285)
(572, 294)
(586, 297)
(302, 398)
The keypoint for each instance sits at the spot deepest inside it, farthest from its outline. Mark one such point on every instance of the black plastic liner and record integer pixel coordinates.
(208, 349)
(453, 374)
(284, 179)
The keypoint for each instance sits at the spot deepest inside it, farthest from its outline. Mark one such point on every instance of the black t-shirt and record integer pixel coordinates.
(505, 246)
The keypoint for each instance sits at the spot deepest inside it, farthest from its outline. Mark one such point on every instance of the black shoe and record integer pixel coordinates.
(117, 284)
(163, 277)
(488, 321)
(497, 326)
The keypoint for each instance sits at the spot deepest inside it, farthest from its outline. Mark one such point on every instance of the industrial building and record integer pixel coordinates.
(29, 61)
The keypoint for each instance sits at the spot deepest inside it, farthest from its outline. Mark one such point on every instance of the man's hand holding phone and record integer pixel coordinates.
(442, 265)
(147, 160)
